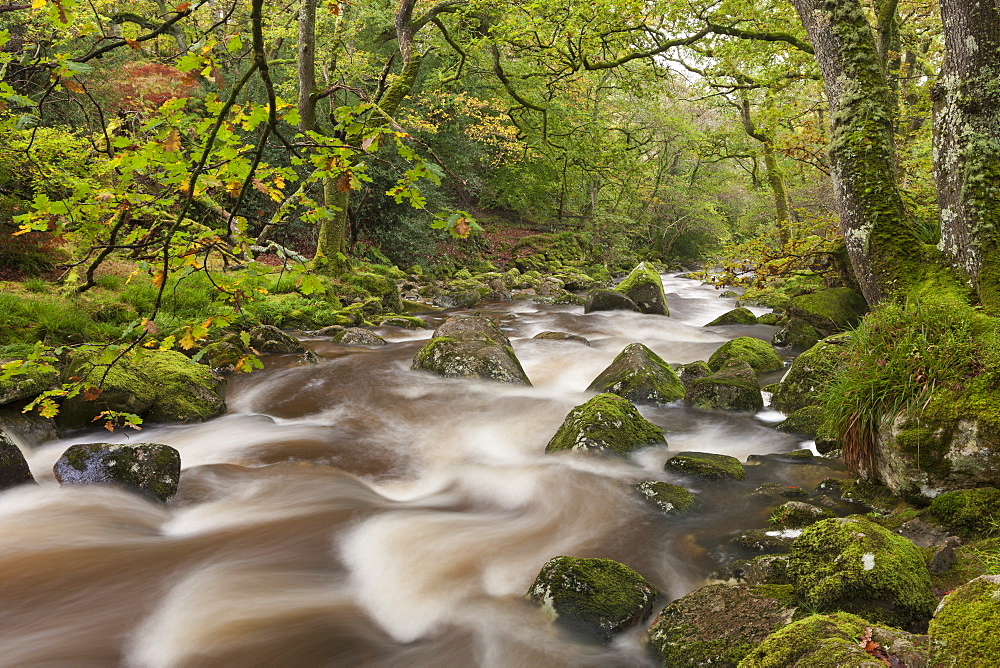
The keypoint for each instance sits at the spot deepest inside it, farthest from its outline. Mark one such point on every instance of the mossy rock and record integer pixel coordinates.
(470, 347)
(159, 386)
(829, 311)
(806, 421)
(772, 319)
(606, 423)
(798, 514)
(692, 370)
(13, 467)
(768, 297)
(665, 497)
(771, 541)
(576, 281)
(734, 387)
(763, 570)
(707, 465)
(797, 334)
(719, 624)
(780, 489)
(644, 286)
(458, 299)
(970, 512)
(964, 629)
(357, 336)
(270, 339)
(597, 597)
(641, 376)
(855, 565)
(831, 641)
(608, 300)
(561, 336)
(28, 428)
(738, 316)
(811, 374)
(396, 320)
(32, 380)
(152, 469)
(382, 287)
(760, 355)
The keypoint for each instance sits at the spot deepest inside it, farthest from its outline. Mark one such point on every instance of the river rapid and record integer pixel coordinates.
(355, 512)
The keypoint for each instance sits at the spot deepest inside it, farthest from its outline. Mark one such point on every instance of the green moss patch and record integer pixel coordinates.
(641, 376)
(665, 497)
(738, 316)
(971, 512)
(964, 629)
(707, 465)
(760, 355)
(607, 423)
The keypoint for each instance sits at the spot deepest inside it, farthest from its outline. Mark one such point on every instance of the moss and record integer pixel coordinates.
(377, 286)
(771, 319)
(797, 334)
(664, 496)
(606, 423)
(32, 380)
(152, 469)
(641, 376)
(811, 373)
(963, 632)
(600, 597)
(829, 311)
(707, 465)
(971, 512)
(768, 296)
(806, 421)
(738, 316)
(817, 641)
(857, 566)
(645, 287)
(734, 387)
(797, 514)
(758, 354)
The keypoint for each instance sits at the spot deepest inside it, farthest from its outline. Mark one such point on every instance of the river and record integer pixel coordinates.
(355, 512)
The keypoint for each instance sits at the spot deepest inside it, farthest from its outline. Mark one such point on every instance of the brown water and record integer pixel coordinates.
(356, 512)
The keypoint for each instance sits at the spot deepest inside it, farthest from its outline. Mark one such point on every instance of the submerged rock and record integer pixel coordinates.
(964, 629)
(470, 347)
(641, 376)
(608, 300)
(152, 469)
(645, 287)
(719, 624)
(13, 467)
(733, 387)
(665, 497)
(738, 316)
(706, 465)
(561, 336)
(607, 423)
(598, 597)
(760, 355)
(855, 565)
(358, 336)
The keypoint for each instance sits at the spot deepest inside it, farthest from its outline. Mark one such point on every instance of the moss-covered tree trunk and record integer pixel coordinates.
(772, 170)
(884, 250)
(967, 143)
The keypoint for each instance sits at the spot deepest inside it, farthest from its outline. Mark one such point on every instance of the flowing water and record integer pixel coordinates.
(355, 512)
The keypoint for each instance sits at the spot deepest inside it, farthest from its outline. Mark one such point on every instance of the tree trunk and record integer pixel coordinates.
(775, 178)
(884, 250)
(967, 143)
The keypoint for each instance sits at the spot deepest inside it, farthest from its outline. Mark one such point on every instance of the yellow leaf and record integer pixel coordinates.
(234, 188)
(173, 141)
(279, 181)
(69, 84)
(37, 4)
(187, 341)
(134, 43)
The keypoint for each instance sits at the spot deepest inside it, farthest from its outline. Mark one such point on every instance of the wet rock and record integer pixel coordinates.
(806, 422)
(381, 287)
(309, 357)
(641, 376)
(152, 469)
(733, 387)
(706, 465)
(922, 533)
(576, 280)
(30, 428)
(358, 336)
(688, 372)
(763, 570)
(796, 334)
(798, 514)
(772, 541)
(597, 597)
(607, 423)
(270, 339)
(608, 300)
(645, 287)
(855, 565)
(771, 319)
(458, 299)
(13, 467)
(32, 380)
(665, 497)
(810, 375)
(561, 336)
(944, 557)
(760, 355)
(719, 624)
(503, 295)
(330, 331)
(159, 386)
(832, 640)
(780, 489)
(470, 347)
(964, 629)
(738, 316)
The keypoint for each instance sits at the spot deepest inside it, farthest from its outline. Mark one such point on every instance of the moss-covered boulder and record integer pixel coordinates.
(971, 513)
(159, 386)
(760, 355)
(599, 299)
(772, 319)
(470, 347)
(719, 624)
(30, 380)
(765, 569)
(382, 287)
(665, 497)
(641, 376)
(606, 423)
(855, 565)
(30, 428)
(457, 299)
(706, 465)
(644, 286)
(358, 336)
(270, 339)
(550, 251)
(964, 629)
(13, 467)
(807, 421)
(692, 370)
(152, 469)
(738, 316)
(832, 641)
(778, 489)
(810, 374)
(733, 387)
(561, 336)
(829, 311)
(797, 334)
(597, 597)
(798, 514)
(770, 541)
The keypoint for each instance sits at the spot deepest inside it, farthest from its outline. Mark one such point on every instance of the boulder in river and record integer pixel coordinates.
(964, 629)
(358, 336)
(32, 380)
(457, 299)
(13, 467)
(797, 334)
(665, 497)
(760, 355)
(470, 347)
(606, 423)
(641, 376)
(644, 287)
(608, 300)
(561, 336)
(597, 597)
(798, 514)
(152, 469)
(733, 387)
(738, 316)
(270, 339)
(719, 624)
(706, 465)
